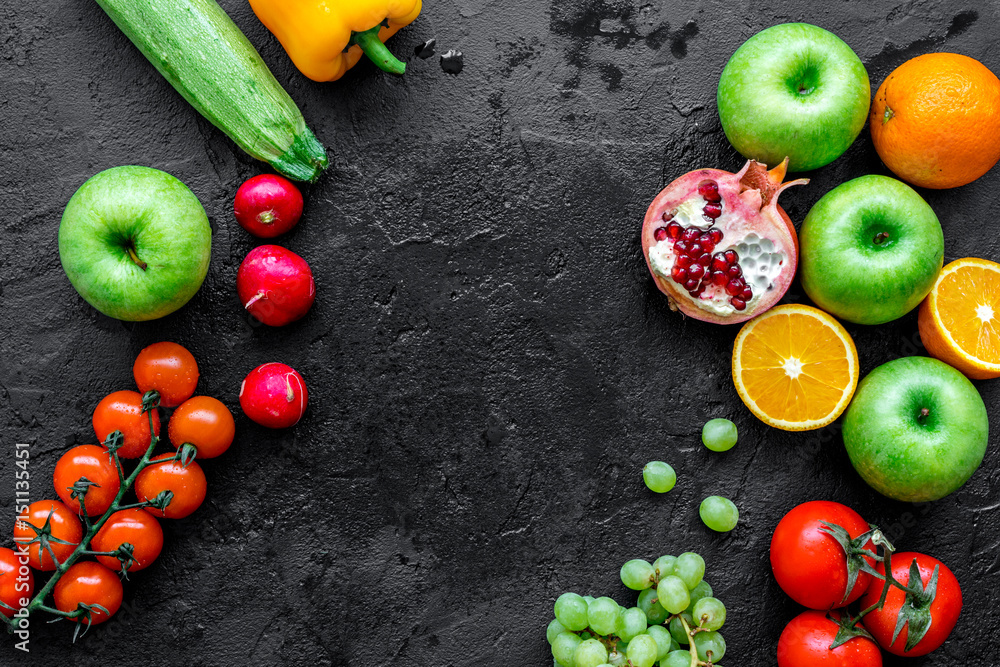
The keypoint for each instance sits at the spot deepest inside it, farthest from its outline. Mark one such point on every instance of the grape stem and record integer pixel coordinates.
(150, 402)
(695, 662)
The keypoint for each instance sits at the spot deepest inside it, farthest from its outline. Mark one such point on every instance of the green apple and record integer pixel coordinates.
(135, 243)
(916, 429)
(794, 90)
(870, 250)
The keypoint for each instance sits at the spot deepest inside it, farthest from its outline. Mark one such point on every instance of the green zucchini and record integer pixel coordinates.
(200, 51)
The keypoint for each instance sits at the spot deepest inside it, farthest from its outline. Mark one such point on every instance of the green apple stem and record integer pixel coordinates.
(880, 238)
(135, 258)
(922, 416)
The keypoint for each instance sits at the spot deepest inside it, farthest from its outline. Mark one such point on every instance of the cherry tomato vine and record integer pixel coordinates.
(85, 613)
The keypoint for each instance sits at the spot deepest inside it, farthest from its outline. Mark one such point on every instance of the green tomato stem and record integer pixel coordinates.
(38, 602)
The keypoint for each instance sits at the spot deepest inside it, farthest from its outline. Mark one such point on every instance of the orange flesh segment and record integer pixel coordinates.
(968, 305)
(795, 368)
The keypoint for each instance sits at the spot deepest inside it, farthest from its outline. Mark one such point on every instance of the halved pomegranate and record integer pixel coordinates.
(719, 246)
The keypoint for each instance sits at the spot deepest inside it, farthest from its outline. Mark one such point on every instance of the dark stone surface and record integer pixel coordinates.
(490, 364)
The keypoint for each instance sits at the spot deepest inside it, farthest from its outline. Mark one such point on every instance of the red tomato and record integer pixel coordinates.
(806, 642)
(17, 581)
(122, 411)
(169, 369)
(90, 583)
(64, 525)
(811, 566)
(96, 465)
(204, 422)
(135, 527)
(187, 483)
(944, 609)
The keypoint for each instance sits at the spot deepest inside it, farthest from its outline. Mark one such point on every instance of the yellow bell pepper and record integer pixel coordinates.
(325, 38)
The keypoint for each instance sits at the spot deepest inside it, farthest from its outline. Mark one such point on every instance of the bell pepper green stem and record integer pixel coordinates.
(377, 52)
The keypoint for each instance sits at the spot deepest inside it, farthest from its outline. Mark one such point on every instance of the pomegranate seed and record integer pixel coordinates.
(679, 274)
(690, 234)
(668, 215)
(660, 233)
(719, 278)
(735, 287)
(684, 261)
(706, 242)
(696, 271)
(747, 294)
(738, 303)
(696, 250)
(691, 284)
(682, 247)
(704, 260)
(710, 191)
(674, 230)
(712, 211)
(716, 235)
(732, 256)
(719, 262)
(697, 292)
(734, 271)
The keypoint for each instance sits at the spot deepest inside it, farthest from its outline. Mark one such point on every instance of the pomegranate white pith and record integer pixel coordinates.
(719, 246)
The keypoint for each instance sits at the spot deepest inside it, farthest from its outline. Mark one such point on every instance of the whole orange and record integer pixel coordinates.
(935, 120)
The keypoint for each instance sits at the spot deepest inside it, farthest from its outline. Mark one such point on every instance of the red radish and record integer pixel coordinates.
(268, 205)
(274, 395)
(275, 285)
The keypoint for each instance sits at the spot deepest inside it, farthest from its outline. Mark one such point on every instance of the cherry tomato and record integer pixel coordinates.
(806, 642)
(64, 525)
(136, 527)
(122, 411)
(811, 566)
(94, 463)
(944, 609)
(204, 422)
(167, 474)
(17, 581)
(169, 369)
(90, 583)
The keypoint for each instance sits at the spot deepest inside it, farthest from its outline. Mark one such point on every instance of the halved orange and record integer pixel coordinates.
(959, 320)
(795, 367)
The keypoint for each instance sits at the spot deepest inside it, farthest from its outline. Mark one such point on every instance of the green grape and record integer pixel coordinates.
(710, 643)
(664, 566)
(677, 630)
(571, 611)
(588, 598)
(564, 647)
(631, 623)
(677, 659)
(709, 613)
(637, 574)
(702, 590)
(586, 634)
(651, 607)
(617, 656)
(673, 594)
(642, 651)
(602, 616)
(690, 568)
(720, 514)
(554, 630)
(663, 640)
(590, 653)
(659, 476)
(719, 435)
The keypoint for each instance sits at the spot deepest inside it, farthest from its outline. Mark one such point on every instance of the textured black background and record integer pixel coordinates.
(489, 361)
